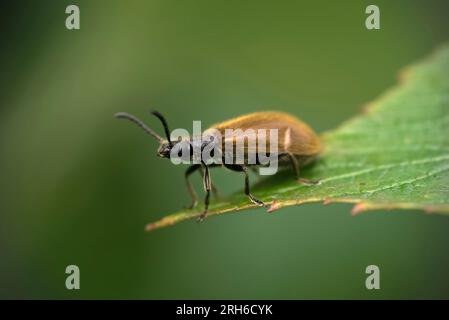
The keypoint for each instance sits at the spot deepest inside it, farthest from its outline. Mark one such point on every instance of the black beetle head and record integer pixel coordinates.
(164, 149)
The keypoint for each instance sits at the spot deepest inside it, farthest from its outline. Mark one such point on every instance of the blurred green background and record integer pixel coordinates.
(78, 186)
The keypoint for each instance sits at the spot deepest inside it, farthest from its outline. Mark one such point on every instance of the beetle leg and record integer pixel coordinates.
(295, 166)
(192, 192)
(207, 188)
(309, 182)
(212, 185)
(244, 169)
(247, 191)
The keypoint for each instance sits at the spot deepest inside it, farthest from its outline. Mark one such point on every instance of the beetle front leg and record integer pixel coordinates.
(207, 188)
(212, 185)
(190, 188)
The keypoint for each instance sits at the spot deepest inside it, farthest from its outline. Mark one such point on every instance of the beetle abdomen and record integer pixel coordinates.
(294, 136)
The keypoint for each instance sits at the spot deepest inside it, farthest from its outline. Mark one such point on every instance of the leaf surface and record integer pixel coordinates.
(394, 155)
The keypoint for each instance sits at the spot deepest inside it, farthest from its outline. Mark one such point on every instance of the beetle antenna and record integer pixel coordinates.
(164, 123)
(124, 115)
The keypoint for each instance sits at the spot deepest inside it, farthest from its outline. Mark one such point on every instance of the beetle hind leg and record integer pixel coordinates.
(295, 167)
(308, 182)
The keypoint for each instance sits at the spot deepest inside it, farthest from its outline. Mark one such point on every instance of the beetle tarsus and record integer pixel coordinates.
(308, 182)
(201, 217)
(256, 201)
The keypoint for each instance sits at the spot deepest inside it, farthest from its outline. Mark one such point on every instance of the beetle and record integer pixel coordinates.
(298, 145)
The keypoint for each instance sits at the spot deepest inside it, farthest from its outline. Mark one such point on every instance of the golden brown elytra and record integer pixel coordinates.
(298, 145)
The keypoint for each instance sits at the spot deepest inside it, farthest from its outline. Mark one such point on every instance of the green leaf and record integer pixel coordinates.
(394, 155)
